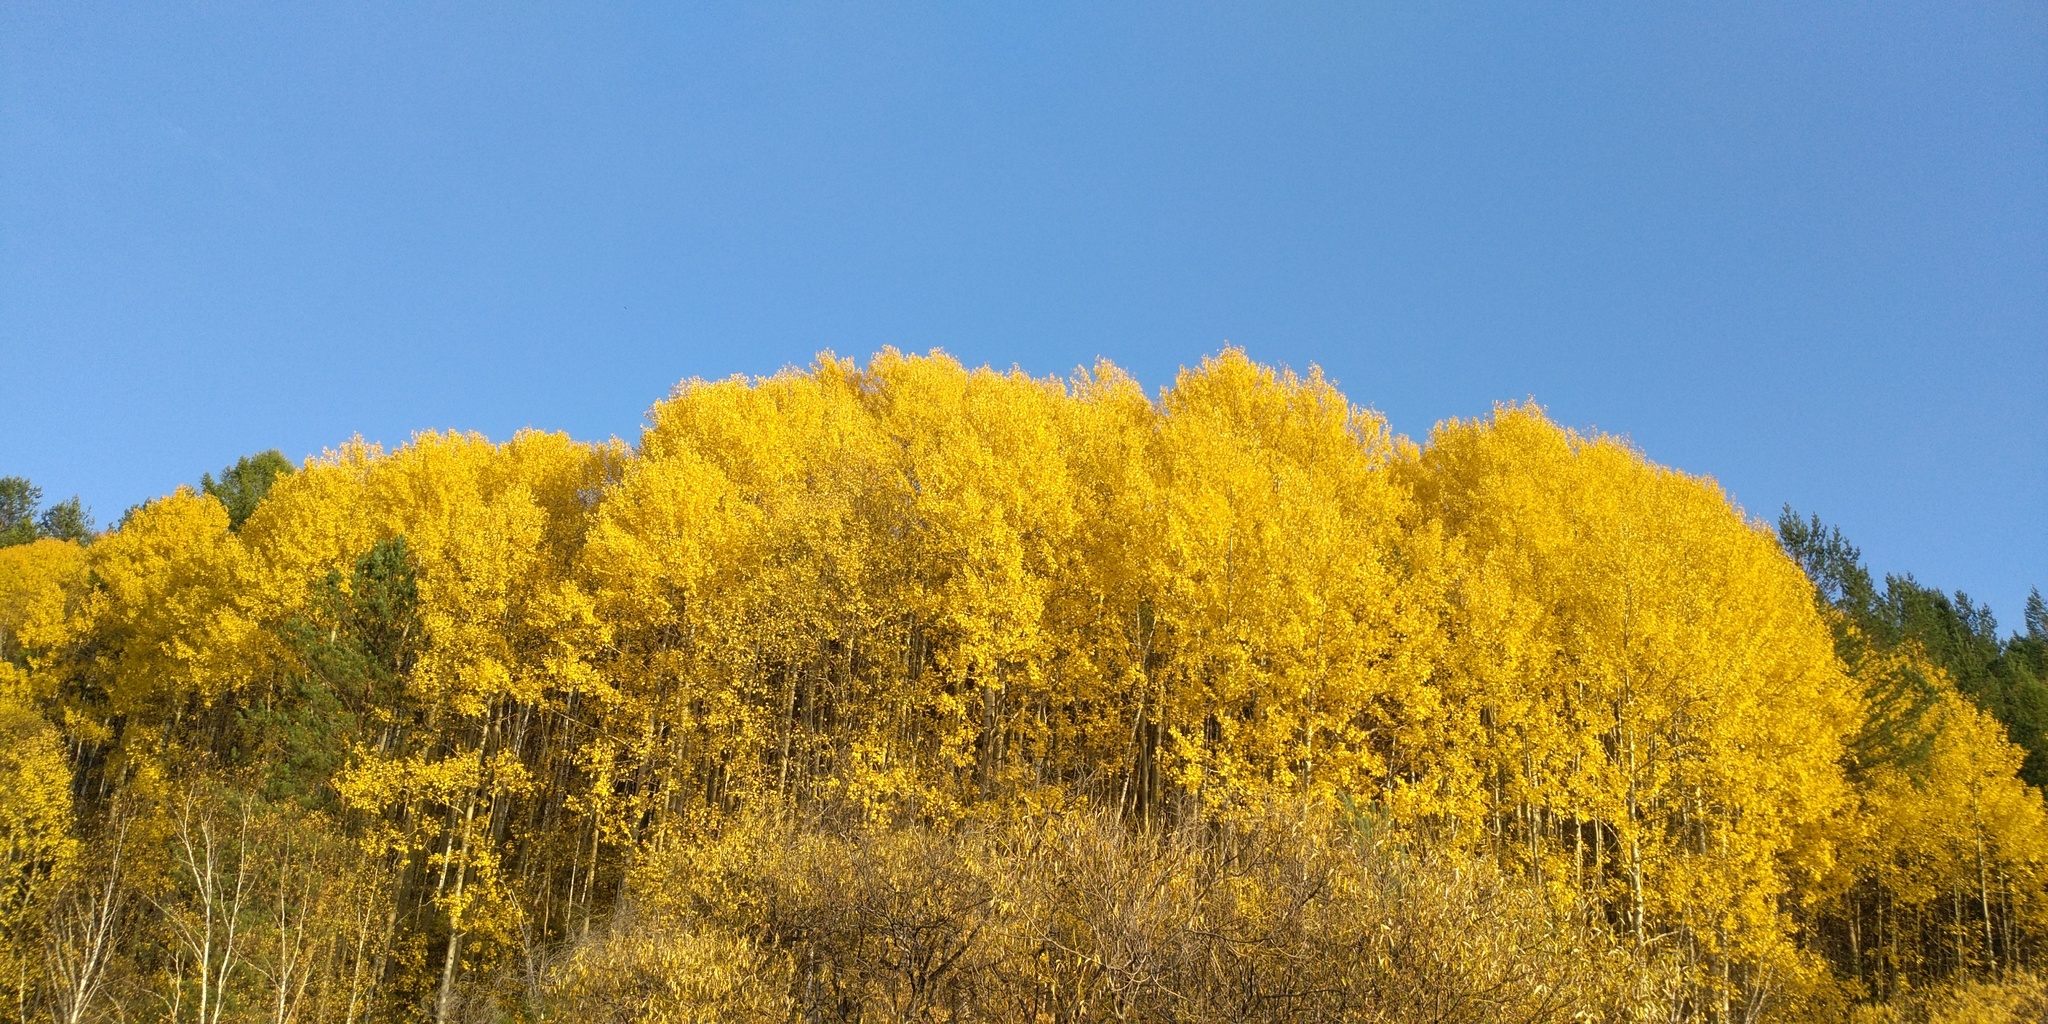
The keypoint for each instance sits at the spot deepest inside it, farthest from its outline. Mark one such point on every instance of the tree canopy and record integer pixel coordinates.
(917, 692)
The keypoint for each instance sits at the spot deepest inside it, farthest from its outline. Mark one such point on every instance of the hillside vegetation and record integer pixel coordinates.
(908, 692)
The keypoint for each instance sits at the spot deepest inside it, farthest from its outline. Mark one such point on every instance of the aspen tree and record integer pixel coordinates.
(1302, 624)
(1709, 729)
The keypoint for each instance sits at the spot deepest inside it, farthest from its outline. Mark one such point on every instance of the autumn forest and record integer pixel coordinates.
(911, 692)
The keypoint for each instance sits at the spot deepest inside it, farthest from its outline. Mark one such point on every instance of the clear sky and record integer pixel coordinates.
(1801, 248)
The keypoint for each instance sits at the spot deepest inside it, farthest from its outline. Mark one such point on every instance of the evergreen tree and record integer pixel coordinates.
(241, 487)
(66, 520)
(19, 523)
(18, 501)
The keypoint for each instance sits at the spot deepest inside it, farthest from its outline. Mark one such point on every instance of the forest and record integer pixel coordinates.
(913, 692)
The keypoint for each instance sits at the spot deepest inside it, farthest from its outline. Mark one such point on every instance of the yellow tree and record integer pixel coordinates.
(726, 574)
(449, 561)
(38, 843)
(157, 630)
(831, 585)
(1301, 622)
(1945, 869)
(1664, 714)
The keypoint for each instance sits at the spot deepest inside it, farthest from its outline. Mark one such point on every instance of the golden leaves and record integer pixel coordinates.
(913, 591)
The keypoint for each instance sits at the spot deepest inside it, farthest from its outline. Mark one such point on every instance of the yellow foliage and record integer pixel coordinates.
(32, 579)
(1947, 840)
(2022, 999)
(162, 612)
(1646, 687)
(1299, 620)
(977, 629)
(38, 848)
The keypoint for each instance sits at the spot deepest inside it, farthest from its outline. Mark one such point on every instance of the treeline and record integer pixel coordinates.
(912, 692)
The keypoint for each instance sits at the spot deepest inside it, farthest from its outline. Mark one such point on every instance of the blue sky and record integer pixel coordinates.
(1800, 248)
